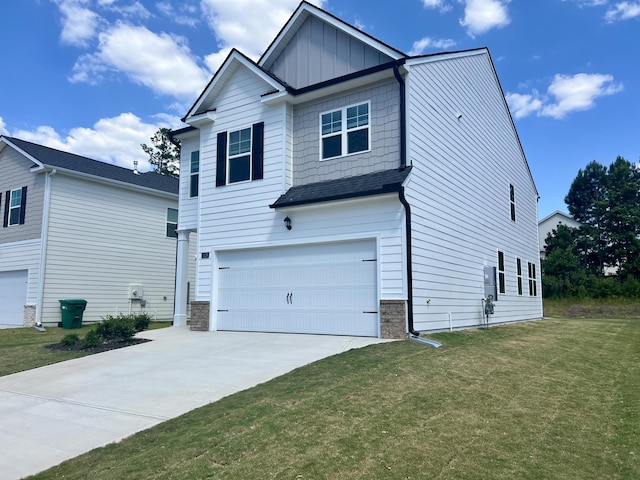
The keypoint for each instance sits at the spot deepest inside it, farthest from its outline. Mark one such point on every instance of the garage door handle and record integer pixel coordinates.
(289, 298)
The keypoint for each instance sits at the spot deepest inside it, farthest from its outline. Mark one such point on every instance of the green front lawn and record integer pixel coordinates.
(554, 399)
(25, 348)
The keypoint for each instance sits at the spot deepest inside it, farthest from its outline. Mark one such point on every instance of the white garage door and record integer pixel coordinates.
(13, 296)
(322, 289)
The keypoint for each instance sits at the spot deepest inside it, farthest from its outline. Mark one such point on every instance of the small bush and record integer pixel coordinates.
(120, 327)
(91, 339)
(141, 321)
(70, 340)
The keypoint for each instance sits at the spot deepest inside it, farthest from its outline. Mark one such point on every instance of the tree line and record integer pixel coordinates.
(601, 258)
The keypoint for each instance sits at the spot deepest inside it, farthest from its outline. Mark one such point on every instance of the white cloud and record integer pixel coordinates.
(565, 94)
(481, 16)
(3, 127)
(113, 140)
(588, 3)
(79, 24)
(441, 5)
(523, 105)
(420, 46)
(623, 11)
(161, 62)
(248, 25)
(578, 92)
(186, 16)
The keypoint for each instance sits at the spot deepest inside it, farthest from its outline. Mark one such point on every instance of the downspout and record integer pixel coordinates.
(403, 200)
(407, 226)
(44, 239)
(403, 117)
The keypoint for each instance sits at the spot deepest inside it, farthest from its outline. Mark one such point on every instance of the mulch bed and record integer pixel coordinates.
(105, 347)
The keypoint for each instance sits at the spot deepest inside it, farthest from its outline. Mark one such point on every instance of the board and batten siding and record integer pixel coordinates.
(102, 239)
(459, 192)
(320, 52)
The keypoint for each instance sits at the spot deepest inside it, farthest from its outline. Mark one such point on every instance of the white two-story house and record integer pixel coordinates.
(339, 186)
(76, 228)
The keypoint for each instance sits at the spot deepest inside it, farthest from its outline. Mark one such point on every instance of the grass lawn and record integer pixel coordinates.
(555, 399)
(25, 348)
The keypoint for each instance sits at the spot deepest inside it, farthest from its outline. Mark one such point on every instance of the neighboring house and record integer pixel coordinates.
(550, 223)
(339, 186)
(76, 228)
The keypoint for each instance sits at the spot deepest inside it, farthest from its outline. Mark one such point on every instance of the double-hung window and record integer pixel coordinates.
(195, 174)
(15, 206)
(519, 271)
(240, 155)
(345, 131)
(502, 288)
(172, 222)
(512, 201)
(533, 284)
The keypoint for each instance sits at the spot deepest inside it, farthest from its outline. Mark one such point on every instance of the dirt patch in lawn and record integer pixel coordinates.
(104, 347)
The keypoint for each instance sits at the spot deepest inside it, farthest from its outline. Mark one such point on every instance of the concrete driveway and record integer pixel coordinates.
(57, 412)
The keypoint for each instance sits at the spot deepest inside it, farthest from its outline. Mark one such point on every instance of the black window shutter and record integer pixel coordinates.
(221, 160)
(23, 204)
(257, 151)
(7, 201)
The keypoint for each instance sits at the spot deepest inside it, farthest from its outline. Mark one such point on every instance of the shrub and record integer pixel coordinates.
(141, 321)
(70, 340)
(91, 339)
(120, 327)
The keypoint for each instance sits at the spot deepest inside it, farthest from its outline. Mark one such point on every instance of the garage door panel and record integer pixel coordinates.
(322, 289)
(13, 296)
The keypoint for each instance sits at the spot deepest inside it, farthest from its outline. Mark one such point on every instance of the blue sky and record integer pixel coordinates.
(99, 77)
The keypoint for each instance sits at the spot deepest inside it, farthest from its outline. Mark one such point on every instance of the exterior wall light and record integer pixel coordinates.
(287, 223)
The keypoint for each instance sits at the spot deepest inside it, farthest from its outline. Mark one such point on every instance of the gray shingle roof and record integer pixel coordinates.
(377, 183)
(69, 161)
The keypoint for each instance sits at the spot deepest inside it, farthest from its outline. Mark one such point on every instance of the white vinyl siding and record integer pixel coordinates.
(457, 192)
(188, 208)
(84, 261)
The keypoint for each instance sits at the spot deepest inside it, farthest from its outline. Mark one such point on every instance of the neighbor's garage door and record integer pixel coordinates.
(322, 288)
(13, 296)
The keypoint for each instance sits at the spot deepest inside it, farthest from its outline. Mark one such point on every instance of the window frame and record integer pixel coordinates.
(15, 208)
(519, 273)
(533, 283)
(171, 224)
(344, 131)
(502, 281)
(512, 201)
(194, 176)
(248, 153)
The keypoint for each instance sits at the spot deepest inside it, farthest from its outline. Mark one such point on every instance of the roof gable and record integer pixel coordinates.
(314, 46)
(204, 107)
(46, 157)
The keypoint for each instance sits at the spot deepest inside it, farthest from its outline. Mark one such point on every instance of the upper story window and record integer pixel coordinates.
(239, 160)
(172, 222)
(512, 201)
(345, 131)
(194, 169)
(240, 155)
(15, 206)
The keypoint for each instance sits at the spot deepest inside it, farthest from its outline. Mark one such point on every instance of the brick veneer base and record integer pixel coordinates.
(393, 319)
(29, 316)
(199, 316)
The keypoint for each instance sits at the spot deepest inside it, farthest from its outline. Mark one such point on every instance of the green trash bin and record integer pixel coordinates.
(72, 311)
